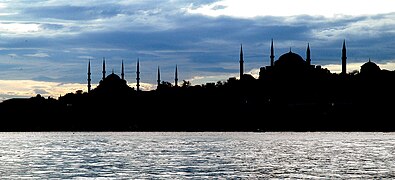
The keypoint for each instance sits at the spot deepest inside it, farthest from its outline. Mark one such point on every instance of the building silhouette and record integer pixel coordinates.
(176, 77)
(122, 71)
(158, 80)
(272, 54)
(104, 69)
(344, 58)
(292, 66)
(308, 58)
(138, 75)
(241, 62)
(89, 76)
(370, 68)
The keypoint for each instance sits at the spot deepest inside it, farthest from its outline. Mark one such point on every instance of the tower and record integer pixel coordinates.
(89, 75)
(176, 77)
(344, 58)
(122, 72)
(241, 62)
(158, 77)
(138, 75)
(308, 59)
(271, 54)
(104, 69)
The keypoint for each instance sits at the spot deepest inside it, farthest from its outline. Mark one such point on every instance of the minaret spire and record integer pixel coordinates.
(89, 75)
(138, 75)
(241, 61)
(122, 72)
(104, 68)
(344, 58)
(176, 77)
(158, 77)
(308, 59)
(271, 54)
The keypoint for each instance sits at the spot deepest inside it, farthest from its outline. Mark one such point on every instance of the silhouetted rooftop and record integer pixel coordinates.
(370, 67)
(112, 77)
(290, 59)
(112, 84)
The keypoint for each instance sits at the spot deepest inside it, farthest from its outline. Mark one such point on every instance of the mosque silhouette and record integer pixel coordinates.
(291, 94)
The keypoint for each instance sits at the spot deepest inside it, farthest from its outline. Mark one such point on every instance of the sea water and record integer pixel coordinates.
(196, 155)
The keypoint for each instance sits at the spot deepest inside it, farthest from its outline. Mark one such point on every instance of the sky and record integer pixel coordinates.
(45, 45)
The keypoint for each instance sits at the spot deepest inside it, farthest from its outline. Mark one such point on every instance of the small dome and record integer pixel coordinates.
(370, 67)
(290, 59)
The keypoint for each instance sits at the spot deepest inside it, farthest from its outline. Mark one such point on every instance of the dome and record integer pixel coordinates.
(370, 67)
(112, 80)
(290, 59)
(113, 77)
(112, 85)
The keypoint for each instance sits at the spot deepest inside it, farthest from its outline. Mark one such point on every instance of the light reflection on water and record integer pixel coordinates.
(200, 155)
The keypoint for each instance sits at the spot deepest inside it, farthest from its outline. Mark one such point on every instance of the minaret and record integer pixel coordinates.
(122, 72)
(308, 59)
(241, 62)
(138, 75)
(89, 75)
(158, 77)
(176, 77)
(344, 58)
(271, 54)
(104, 69)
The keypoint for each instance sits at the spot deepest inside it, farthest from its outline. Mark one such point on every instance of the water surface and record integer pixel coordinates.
(197, 155)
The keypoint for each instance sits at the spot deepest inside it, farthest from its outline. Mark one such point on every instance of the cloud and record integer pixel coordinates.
(40, 91)
(199, 80)
(68, 12)
(143, 86)
(52, 26)
(13, 55)
(30, 88)
(216, 69)
(205, 45)
(333, 9)
(39, 55)
(19, 28)
(85, 57)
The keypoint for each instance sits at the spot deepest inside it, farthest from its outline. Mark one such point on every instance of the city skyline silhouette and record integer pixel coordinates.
(289, 65)
(291, 94)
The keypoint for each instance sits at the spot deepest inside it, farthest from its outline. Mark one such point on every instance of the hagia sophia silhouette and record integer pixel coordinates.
(291, 94)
